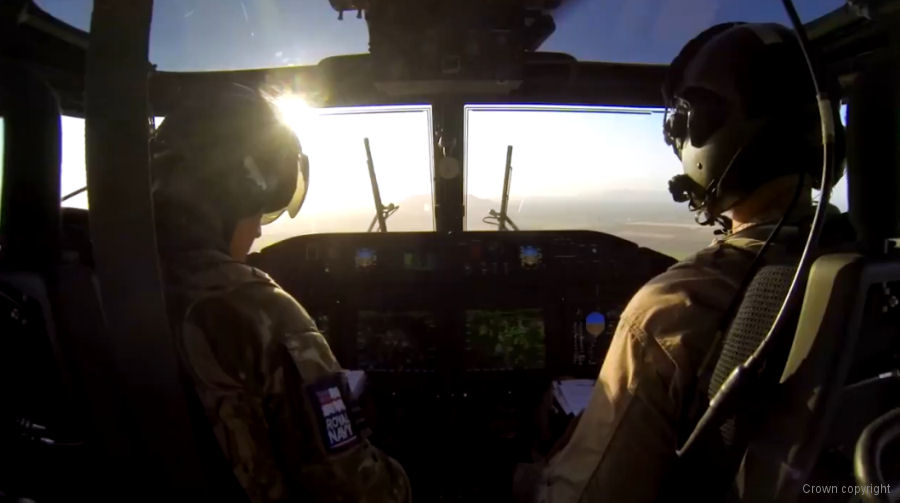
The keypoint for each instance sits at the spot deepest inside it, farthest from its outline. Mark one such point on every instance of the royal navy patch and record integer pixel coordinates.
(331, 404)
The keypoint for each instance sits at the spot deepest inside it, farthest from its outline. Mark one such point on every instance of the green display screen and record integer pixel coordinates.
(505, 339)
(396, 340)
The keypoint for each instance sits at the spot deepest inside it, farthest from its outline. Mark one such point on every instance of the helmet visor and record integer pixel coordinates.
(694, 117)
(299, 195)
(675, 124)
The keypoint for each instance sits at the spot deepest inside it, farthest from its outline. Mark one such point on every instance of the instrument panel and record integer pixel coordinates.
(464, 302)
(460, 335)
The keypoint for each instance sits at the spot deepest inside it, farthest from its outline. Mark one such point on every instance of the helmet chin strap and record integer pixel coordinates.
(703, 217)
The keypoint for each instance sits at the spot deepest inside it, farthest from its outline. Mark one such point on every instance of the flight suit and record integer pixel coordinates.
(271, 388)
(625, 441)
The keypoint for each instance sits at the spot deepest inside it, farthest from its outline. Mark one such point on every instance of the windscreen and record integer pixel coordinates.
(340, 195)
(586, 168)
(581, 168)
(73, 172)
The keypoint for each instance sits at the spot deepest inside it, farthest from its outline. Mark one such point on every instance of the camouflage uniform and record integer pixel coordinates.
(271, 387)
(625, 441)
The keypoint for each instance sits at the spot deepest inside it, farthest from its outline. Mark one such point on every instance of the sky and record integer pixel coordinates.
(567, 152)
(233, 34)
(652, 31)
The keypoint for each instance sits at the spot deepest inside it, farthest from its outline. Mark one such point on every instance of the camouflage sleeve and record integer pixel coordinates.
(279, 404)
(645, 383)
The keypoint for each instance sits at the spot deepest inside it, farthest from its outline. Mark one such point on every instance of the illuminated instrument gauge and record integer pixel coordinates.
(365, 258)
(595, 324)
(530, 256)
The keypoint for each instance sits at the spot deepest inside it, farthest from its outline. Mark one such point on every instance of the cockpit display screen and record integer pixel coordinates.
(396, 340)
(417, 261)
(365, 258)
(505, 339)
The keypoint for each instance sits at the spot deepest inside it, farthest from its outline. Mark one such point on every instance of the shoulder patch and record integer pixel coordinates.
(331, 404)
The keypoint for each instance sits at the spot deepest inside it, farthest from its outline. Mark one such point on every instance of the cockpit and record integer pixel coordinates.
(484, 199)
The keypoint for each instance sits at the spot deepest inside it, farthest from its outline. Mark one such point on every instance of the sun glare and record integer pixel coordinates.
(295, 111)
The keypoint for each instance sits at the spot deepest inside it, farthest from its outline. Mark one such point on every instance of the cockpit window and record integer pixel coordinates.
(591, 168)
(74, 173)
(340, 197)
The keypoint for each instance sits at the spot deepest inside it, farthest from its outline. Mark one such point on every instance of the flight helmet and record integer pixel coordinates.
(229, 150)
(741, 110)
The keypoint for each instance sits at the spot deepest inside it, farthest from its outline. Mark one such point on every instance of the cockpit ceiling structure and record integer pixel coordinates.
(592, 48)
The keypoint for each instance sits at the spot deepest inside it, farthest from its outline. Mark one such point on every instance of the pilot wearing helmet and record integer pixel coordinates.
(743, 118)
(223, 164)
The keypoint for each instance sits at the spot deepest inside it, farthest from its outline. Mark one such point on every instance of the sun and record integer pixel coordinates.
(296, 112)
